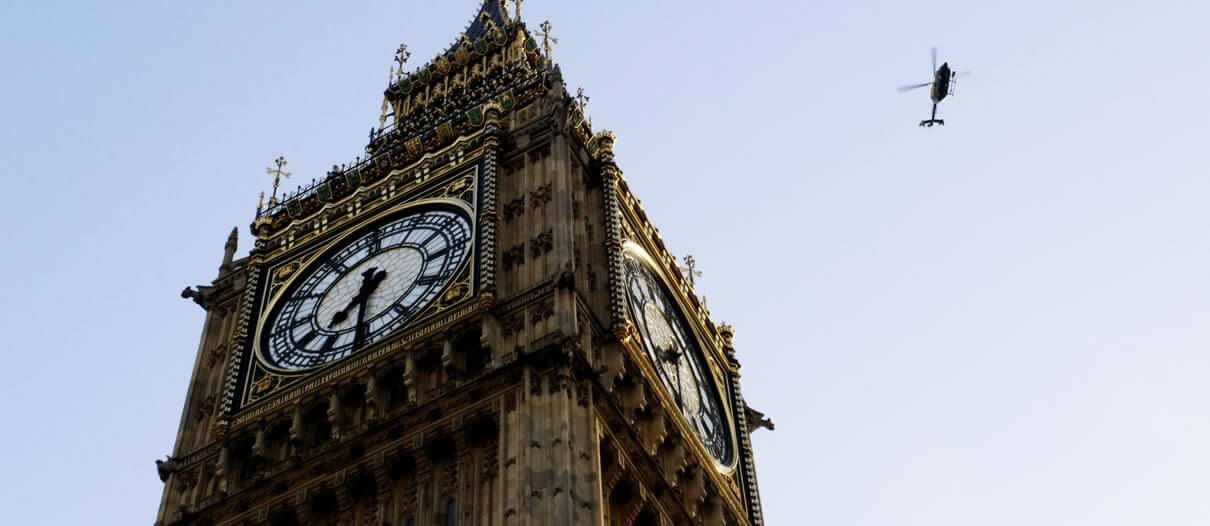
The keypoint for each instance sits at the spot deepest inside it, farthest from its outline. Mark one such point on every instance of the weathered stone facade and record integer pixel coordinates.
(522, 396)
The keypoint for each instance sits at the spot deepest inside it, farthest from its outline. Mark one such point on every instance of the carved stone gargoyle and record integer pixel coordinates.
(166, 467)
(203, 295)
(756, 419)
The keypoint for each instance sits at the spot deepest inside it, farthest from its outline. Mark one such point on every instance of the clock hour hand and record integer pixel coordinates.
(369, 282)
(669, 356)
(673, 357)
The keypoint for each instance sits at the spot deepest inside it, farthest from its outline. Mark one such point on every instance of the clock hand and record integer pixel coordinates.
(673, 357)
(366, 290)
(368, 282)
(670, 356)
(342, 315)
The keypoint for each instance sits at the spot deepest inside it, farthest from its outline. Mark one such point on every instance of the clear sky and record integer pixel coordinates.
(998, 322)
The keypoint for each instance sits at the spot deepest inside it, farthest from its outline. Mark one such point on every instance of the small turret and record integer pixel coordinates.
(727, 333)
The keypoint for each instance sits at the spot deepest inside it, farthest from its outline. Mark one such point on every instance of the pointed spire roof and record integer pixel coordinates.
(491, 10)
(490, 17)
(490, 28)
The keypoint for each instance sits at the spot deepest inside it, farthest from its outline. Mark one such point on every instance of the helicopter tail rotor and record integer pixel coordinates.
(934, 54)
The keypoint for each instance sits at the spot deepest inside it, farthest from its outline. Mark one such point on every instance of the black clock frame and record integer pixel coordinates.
(718, 439)
(332, 260)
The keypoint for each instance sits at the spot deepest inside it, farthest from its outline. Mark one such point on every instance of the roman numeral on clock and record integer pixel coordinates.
(430, 238)
(438, 254)
(336, 266)
(375, 241)
(306, 338)
(328, 344)
(431, 279)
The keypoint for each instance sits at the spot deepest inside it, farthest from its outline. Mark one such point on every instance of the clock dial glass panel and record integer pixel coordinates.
(676, 357)
(365, 288)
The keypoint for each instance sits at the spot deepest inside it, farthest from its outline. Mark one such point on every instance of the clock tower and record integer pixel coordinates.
(473, 324)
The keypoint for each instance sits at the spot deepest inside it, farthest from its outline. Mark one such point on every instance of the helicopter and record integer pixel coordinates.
(942, 86)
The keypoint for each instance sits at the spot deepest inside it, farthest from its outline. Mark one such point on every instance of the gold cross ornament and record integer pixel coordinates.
(277, 174)
(691, 270)
(548, 40)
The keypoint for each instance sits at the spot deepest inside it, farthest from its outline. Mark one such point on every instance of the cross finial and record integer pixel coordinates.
(548, 40)
(277, 174)
(260, 205)
(401, 56)
(691, 270)
(517, 9)
(582, 99)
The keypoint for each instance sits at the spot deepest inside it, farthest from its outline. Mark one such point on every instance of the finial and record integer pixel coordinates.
(690, 270)
(727, 333)
(229, 249)
(582, 99)
(277, 174)
(401, 57)
(392, 78)
(582, 104)
(548, 40)
(260, 205)
(383, 113)
(517, 9)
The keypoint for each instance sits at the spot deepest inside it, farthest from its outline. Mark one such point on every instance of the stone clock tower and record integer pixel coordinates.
(474, 324)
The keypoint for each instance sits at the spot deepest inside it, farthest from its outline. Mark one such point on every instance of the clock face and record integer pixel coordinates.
(677, 360)
(366, 287)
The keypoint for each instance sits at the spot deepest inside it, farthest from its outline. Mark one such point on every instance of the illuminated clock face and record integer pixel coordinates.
(366, 287)
(678, 361)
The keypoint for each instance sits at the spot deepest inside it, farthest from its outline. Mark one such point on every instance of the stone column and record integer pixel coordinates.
(489, 214)
(610, 176)
(372, 396)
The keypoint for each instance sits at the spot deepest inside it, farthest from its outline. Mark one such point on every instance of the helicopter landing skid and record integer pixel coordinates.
(931, 122)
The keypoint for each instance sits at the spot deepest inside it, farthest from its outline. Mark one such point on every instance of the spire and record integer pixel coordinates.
(491, 11)
(229, 249)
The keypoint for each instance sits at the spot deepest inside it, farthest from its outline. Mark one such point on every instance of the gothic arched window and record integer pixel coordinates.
(245, 461)
(392, 383)
(316, 422)
(451, 513)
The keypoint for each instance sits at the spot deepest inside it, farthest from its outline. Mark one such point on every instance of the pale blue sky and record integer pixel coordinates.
(999, 322)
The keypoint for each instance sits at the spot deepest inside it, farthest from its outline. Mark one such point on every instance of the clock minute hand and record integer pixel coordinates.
(366, 290)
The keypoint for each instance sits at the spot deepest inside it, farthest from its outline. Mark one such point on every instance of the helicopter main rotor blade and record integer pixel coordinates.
(934, 52)
(963, 74)
(902, 89)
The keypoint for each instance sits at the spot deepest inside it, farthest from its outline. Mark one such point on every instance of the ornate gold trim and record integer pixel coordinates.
(277, 296)
(382, 186)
